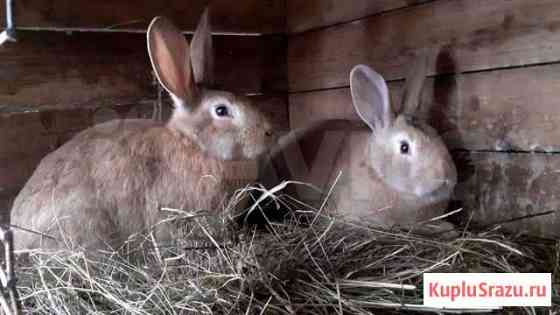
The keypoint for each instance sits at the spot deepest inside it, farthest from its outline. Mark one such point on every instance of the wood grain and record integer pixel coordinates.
(497, 187)
(304, 15)
(52, 68)
(6, 200)
(275, 107)
(2, 15)
(460, 35)
(253, 16)
(502, 110)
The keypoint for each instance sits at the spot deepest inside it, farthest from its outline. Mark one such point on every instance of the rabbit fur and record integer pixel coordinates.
(397, 173)
(110, 181)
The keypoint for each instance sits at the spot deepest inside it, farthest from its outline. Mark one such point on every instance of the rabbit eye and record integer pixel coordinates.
(405, 147)
(222, 111)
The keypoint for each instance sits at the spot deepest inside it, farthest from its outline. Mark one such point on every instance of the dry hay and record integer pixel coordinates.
(308, 264)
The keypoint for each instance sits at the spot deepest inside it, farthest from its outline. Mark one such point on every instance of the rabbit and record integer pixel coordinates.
(110, 181)
(397, 173)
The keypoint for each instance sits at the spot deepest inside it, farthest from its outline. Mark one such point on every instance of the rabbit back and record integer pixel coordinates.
(110, 182)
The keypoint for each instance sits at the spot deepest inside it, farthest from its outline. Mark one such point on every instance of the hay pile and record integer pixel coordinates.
(308, 264)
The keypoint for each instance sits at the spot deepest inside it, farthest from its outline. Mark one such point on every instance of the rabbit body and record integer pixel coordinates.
(354, 189)
(111, 181)
(399, 172)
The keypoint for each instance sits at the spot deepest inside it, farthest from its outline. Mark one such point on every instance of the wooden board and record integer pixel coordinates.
(52, 68)
(459, 35)
(251, 64)
(304, 15)
(2, 15)
(254, 16)
(498, 187)
(6, 200)
(275, 107)
(502, 110)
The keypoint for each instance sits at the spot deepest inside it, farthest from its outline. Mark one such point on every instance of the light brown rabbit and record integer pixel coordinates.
(111, 180)
(397, 173)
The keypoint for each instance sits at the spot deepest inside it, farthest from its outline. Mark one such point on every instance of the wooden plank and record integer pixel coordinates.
(251, 64)
(52, 68)
(275, 107)
(252, 16)
(460, 35)
(2, 15)
(308, 107)
(498, 187)
(14, 173)
(6, 200)
(304, 15)
(502, 110)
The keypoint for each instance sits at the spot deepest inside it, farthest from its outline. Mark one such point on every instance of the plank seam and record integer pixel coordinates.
(123, 31)
(369, 16)
(519, 152)
(441, 75)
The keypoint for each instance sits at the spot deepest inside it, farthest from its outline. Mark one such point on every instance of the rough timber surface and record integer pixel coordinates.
(309, 14)
(498, 187)
(248, 16)
(53, 68)
(459, 35)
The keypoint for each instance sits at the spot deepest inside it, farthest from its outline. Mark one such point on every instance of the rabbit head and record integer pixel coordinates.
(408, 156)
(224, 125)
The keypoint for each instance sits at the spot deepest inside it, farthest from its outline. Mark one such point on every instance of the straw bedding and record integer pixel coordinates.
(307, 263)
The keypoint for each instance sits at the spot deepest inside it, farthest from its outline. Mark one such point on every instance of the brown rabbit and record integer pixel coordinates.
(397, 173)
(110, 181)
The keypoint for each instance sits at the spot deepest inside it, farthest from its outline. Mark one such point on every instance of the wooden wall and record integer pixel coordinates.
(77, 63)
(494, 85)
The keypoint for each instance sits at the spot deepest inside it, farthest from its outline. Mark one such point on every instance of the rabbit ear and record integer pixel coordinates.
(370, 97)
(202, 52)
(170, 56)
(414, 84)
